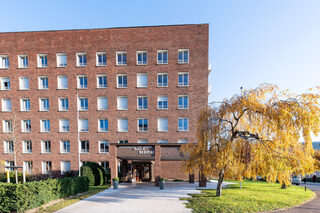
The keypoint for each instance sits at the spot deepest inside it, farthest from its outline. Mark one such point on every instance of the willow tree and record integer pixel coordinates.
(257, 133)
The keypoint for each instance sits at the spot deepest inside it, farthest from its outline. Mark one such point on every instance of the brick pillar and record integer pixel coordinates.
(113, 162)
(157, 165)
(191, 178)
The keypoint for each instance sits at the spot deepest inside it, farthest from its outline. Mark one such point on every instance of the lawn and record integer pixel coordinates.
(67, 202)
(255, 196)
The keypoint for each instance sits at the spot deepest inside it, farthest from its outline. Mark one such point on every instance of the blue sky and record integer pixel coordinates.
(251, 42)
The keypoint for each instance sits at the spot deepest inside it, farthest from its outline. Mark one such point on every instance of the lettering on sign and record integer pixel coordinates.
(142, 150)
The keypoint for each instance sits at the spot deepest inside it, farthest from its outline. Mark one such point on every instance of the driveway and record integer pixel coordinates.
(139, 197)
(312, 206)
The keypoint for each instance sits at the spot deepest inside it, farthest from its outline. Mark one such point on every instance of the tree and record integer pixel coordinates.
(257, 133)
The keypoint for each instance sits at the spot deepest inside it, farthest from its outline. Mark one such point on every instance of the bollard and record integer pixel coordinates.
(8, 176)
(305, 188)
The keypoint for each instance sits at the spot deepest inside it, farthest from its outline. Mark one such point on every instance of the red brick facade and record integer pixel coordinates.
(132, 39)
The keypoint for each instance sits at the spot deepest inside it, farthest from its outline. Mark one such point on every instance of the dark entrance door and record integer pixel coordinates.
(141, 171)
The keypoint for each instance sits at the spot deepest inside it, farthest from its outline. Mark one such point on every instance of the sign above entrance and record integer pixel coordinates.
(136, 152)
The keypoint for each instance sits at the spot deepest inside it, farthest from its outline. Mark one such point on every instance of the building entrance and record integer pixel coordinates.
(141, 171)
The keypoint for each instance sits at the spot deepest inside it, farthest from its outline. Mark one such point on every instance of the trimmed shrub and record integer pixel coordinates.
(94, 172)
(20, 197)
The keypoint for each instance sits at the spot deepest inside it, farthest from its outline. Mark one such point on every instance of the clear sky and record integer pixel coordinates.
(251, 42)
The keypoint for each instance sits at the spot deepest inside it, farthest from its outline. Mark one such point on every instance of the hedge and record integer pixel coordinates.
(20, 197)
(94, 172)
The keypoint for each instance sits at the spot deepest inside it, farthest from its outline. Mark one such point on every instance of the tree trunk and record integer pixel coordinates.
(283, 186)
(220, 181)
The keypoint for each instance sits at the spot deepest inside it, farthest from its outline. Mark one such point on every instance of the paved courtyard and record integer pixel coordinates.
(139, 197)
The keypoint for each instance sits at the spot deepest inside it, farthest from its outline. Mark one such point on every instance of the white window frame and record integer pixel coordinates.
(143, 141)
(62, 147)
(8, 147)
(4, 80)
(144, 127)
(163, 130)
(41, 86)
(28, 166)
(41, 107)
(20, 82)
(141, 62)
(3, 63)
(39, 62)
(99, 107)
(103, 129)
(63, 166)
(104, 150)
(143, 100)
(61, 99)
(162, 141)
(83, 129)
(117, 61)
(119, 98)
(122, 85)
(20, 61)
(87, 146)
(7, 126)
(123, 141)
(162, 84)
(78, 81)
(59, 77)
(98, 64)
(182, 128)
(43, 146)
(42, 125)
(26, 147)
(83, 64)
(183, 140)
(64, 128)
(46, 167)
(7, 109)
(24, 108)
(122, 119)
(183, 106)
(161, 52)
(79, 104)
(58, 60)
(183, 85)
(142, 74)
(24, 126)
(183, 60)
(98, 82)
(164, 96)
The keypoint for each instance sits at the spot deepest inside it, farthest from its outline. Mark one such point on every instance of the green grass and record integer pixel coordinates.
(255, 196)
(67, 202)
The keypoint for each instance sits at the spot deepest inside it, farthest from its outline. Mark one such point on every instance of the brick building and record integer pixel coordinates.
(129, 97)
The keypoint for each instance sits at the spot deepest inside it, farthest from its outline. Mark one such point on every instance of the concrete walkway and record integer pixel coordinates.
(139, 197)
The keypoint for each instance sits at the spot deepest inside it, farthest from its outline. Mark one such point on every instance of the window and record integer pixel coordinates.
(64, 125)
(122, 81)
(27, 166)
(65, 146)
(183, 56)
(44, 104)
(8, 147)
(122, 103)
(24, 83)
(81, 59)
(26, 125)
(44, 125)
(183, 79)
(9, 163)
(101, 59)
(42, 60)
(103, 146)
(102, 81)
(122, 58)
(162, 124)
(142, 125)
(25, 104)
(142, 103)
(5, 83)
(183, 141)
(142, 80)
(122, 125)
(43, 82)
(46, 167)
(82, 82)
(63, 104)
(23, 61)
(142, 141)
(103, 125)
(162, 57)
(162, 102)
(84, 146)
(65, 166)
(162, 141)
(6, 105)
(45, 146)
(83, 104)
(83, 125)
(142, 57)
(162, 79)
(27, 147)
(183, 124)
(183, 102)
(7, 126)
(122, 141)
(61, 60)
(102, 103)
(105, 166)
(62, 82)
(4, 61)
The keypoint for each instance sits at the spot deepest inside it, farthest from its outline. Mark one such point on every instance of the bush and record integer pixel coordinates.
(20, 197)
(94, 172)
(115, 179)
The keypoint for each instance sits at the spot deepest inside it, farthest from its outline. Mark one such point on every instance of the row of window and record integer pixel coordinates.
(46, 146)
(101, 59)
(102, 103)
(82, 81)
(103, 125)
